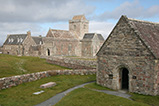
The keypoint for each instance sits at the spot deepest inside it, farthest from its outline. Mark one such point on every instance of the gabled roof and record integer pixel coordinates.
(90, 36)
(62, 34)
(37, 40)
(148, 33)
(79, 17)
(15, 39)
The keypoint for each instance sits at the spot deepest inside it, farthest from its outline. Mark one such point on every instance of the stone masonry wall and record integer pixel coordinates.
(8, 82)
(72, 63)
(124, 49)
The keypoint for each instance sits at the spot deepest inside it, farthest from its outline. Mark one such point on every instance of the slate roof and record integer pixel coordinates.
(90, 36)
(15, 39)
(62, 34)
(148, 33)
(38, 40)
(79, 17)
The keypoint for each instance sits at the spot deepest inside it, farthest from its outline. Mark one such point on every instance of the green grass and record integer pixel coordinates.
(96, 86)
(14, 65)
(22, 95)
(151, 100)
(86, 97)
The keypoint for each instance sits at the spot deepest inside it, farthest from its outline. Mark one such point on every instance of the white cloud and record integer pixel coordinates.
(103, 28)
(41, 10)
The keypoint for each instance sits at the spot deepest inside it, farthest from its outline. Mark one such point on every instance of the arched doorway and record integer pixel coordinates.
(124, 77)
(48, 52)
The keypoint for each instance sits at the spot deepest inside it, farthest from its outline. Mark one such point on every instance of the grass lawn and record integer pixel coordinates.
(14, 65)
(22, 95)
(86, 97)
(96, 86)
(151, 100)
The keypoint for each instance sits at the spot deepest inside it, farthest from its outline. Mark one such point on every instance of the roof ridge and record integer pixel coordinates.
(17, 34)
(59, 30)
(143, 21)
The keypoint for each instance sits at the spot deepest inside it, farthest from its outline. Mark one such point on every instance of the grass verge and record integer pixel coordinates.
(14, 65)
(86, 97)
(22, 95)
(151, 100)
(94, 85)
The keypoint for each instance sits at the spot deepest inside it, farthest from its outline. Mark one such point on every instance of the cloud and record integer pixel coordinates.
(41, 10)
(103, 28)
(132, 9)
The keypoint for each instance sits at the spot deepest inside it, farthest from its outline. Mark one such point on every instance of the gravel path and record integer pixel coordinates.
(53, 100)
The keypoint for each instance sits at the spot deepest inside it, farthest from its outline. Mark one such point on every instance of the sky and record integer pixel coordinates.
(37, 16)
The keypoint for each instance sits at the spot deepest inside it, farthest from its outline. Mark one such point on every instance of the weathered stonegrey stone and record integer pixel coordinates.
(73, 62)
(18, 44)
(128, 60)
(8, 82)
(48, 85)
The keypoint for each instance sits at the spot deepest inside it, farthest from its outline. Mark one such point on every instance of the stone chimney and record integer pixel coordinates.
(29, 33)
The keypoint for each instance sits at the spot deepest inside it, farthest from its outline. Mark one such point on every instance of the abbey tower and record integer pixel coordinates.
(79, 25)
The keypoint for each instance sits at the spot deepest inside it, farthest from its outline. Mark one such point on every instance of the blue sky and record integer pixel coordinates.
(19, 16)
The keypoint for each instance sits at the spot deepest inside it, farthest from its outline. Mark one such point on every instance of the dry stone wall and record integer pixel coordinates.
(8, 82)
(72, 63)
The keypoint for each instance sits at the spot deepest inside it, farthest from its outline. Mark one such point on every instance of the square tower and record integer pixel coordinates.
(79, 25)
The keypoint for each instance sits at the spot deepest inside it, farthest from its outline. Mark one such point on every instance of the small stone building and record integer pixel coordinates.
(18, 44)
(91, 43)
(129, 58)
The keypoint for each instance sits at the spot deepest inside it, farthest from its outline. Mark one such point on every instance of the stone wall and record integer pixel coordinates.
(8, 82)
(74, 63)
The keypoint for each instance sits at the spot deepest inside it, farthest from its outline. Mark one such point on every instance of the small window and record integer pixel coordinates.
(11, 40)
(74, 26)
(110, 76)
(134, 77)
(40, 42)
(84, 26)
(18, 40)
(21, 39)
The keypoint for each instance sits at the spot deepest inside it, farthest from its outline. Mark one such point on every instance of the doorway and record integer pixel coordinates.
(48, 52)
(124, 76)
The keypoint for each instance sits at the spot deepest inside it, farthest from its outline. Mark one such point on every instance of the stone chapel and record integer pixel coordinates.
(129, 57)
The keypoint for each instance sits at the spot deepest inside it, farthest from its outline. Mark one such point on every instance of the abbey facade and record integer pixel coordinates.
(77, 41)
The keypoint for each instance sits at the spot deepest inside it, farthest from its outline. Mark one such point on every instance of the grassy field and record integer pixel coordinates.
(14, 65)
(87, 97)
(22, 95)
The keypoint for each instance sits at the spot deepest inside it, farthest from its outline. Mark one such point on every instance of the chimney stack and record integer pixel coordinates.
(29, 33)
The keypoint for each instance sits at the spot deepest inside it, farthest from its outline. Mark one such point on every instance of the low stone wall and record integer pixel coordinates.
(73, 63)
(8, 82)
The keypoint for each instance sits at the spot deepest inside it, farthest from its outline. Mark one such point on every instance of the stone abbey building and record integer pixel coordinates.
(77, 41)
(129, 58)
